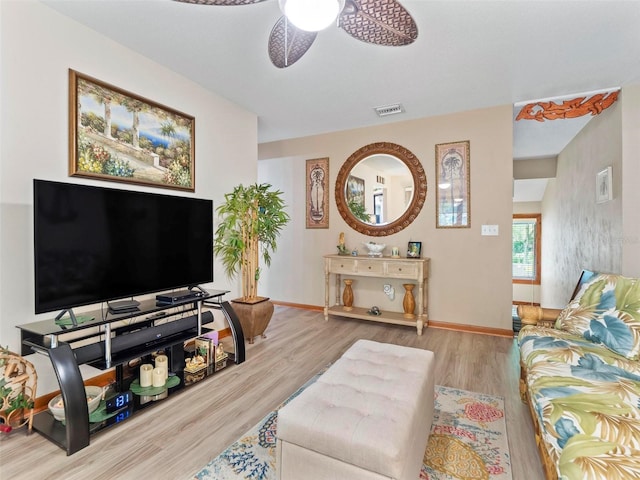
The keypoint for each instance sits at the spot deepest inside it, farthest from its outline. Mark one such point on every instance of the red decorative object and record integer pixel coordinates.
(578, 107)
(482, 412)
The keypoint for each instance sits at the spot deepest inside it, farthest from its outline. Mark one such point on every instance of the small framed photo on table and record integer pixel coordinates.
(414, 250)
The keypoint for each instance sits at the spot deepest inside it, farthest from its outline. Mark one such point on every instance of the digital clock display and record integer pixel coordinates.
(123, 415)
(119, 401)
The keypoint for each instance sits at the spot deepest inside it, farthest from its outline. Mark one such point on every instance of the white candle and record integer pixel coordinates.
(146, 373)
(158, 377)
(163, 362)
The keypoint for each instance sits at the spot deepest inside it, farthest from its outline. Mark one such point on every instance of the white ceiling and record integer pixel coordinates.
(529, 189)
(532, 139)
(469, 54)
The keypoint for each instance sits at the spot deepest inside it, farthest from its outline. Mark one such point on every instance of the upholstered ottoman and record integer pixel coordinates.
(367, 417)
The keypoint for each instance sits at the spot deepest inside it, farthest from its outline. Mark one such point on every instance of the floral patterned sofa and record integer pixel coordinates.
(581, 378)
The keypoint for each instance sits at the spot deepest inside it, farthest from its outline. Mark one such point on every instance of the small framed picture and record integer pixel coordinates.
(414, 249)
(453, 177)
(604, 190)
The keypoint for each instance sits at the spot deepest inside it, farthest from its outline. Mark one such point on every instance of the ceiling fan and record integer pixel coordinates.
(381, 22)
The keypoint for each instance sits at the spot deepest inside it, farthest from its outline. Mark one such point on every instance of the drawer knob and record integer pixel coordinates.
(399, 269)
(369, 268)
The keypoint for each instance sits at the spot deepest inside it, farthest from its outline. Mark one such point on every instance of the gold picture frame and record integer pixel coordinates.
(119, 136)
(355, 190)
(453, 202)
(317, 181)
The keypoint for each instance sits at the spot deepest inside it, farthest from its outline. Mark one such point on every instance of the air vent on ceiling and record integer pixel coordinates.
(389, 110)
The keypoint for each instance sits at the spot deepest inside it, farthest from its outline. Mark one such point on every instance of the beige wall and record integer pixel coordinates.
(630, 181)
(38, 46)
(579, 233)
(527, 207)
(535, 168)
(470, 274)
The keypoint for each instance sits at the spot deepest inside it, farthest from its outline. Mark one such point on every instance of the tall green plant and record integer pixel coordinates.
(251, 219)
(359, 211)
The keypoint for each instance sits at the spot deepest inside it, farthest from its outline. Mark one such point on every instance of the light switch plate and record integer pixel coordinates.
(490, 230)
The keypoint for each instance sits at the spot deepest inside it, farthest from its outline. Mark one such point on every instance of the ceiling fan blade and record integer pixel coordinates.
(287, 44)
(381, 22)
(220, 2)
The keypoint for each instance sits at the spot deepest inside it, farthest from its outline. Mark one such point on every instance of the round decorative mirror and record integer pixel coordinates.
(380, 189)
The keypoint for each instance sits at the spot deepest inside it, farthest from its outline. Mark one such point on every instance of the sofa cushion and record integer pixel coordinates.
(606, 311)
(541, 344)
(589, 418)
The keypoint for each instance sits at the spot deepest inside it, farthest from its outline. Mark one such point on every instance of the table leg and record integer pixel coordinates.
(422, 307)
(425, 307)
(326, 296)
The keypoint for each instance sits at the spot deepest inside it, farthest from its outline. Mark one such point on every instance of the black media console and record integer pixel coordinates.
(105, 342)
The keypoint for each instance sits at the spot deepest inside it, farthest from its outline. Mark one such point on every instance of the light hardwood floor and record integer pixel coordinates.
(180, 435)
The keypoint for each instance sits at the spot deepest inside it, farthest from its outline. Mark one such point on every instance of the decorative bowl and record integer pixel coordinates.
(375, 249)
(94, 395)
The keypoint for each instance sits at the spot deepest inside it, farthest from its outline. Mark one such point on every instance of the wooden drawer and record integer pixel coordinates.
(370, 267)
(402, 269)
(346, 265)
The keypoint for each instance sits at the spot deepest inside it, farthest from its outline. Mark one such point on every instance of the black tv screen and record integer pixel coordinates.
(96, 244)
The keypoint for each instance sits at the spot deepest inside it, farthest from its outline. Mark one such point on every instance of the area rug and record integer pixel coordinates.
(468, 441)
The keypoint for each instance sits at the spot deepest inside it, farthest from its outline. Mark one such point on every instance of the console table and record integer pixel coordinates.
(413, 269)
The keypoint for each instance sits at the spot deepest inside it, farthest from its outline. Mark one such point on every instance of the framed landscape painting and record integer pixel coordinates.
(355, 190)
(118, 136)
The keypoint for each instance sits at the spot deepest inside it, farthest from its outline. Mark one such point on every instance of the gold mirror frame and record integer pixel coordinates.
(419, 189)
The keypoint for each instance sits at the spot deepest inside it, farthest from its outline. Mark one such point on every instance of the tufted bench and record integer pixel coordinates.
(367, 417)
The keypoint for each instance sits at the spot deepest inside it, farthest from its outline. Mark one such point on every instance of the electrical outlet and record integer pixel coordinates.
(490, 230)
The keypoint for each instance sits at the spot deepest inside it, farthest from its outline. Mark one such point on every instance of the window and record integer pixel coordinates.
(525, 248)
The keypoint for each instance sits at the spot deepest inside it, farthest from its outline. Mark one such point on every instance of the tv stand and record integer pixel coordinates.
(112, 349)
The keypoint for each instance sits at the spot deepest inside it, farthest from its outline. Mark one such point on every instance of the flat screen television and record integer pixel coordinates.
(94, 244)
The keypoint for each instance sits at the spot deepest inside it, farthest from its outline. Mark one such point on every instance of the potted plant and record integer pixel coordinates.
(251, 219)
(359, 211)
(18, 381)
